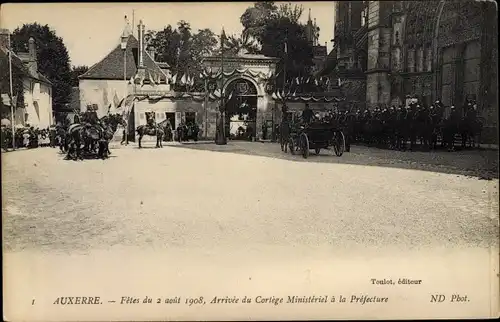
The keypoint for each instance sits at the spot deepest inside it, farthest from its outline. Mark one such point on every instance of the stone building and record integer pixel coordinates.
(37, 110)
(431, 50)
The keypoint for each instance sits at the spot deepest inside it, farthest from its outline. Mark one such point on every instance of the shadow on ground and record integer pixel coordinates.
(480, 163)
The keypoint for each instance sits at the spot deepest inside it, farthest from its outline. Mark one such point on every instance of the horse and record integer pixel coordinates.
(470, 128)
(151, 130)
(75, 137)
(109, 127)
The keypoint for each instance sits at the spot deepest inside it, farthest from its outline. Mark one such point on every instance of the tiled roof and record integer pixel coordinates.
(112, 66)
(18, 63)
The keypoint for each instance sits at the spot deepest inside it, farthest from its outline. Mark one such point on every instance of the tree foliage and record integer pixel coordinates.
(52, 58)
(243, 43)
(75, 72)
(255, 18)
(182, 49)
(272, 26)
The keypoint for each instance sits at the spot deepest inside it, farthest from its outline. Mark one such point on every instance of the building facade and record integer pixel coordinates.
(37, 89)
(432, 50)
(129, 77)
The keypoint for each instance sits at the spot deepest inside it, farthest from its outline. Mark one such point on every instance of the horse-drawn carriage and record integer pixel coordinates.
(315, 136)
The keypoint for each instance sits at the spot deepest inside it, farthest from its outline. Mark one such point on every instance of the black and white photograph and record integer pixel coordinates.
(249, 160)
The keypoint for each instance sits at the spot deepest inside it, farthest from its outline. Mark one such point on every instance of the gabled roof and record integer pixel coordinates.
(17, 62)
(112, 66)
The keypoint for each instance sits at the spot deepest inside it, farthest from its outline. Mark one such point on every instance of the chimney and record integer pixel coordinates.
(141, 44)
(4, 38)
(32, 49)
(32, 63)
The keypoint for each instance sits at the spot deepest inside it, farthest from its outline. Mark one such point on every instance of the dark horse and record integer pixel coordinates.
(157, 130)
(109, 125)
(79, 134)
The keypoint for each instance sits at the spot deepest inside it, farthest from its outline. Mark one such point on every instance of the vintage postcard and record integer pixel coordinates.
(249, 160)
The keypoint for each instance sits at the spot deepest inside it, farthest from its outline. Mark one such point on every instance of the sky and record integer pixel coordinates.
(91, 30)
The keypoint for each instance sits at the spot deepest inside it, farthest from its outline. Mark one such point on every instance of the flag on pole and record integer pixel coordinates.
(151, 79)
(116, 100)
(316, 82)
(132, 79)
(222, 38)
(183, 80)
(308, 79)
(192, 81)
(6, 99)
(174, 79)
(297, 81)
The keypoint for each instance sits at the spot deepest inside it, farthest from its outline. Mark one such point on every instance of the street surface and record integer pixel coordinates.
(182, 197)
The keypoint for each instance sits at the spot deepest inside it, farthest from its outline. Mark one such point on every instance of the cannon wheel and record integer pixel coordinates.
(339, 143)
(304, 145)
(291, 145)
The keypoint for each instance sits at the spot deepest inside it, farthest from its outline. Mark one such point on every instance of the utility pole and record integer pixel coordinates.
(221, 138)
(206, 106)
(11, 97)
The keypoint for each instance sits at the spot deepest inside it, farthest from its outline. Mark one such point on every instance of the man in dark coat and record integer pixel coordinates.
(307, 114)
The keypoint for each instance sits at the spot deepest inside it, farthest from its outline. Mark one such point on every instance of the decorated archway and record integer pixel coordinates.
(247, 79)
(241, 110)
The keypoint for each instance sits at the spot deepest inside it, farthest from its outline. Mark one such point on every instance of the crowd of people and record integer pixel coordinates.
(27, 137)
(396, 127)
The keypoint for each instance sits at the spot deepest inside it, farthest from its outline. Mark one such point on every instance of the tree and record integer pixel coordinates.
(52, 58)
(293, 13)
(75, 72)
(255, 18)
(271, 25)
(235, 44)
(182, 49)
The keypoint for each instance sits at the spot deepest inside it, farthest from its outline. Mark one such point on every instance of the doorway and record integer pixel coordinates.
(241, 111)
(171, 118)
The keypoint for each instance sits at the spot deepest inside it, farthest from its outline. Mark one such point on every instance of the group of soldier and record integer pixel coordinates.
(394, 127)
